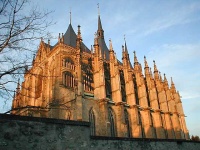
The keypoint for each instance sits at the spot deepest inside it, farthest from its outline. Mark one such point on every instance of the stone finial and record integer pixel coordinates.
(172, 85)
(160, 76)
(135, 58)
(110, 45)
(145, 62)
(79, 32)
(155, 67)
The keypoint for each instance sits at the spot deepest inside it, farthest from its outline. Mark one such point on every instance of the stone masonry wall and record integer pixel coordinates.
(30, 133)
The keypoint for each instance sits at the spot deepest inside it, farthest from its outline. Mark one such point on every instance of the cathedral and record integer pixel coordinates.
(73, 82)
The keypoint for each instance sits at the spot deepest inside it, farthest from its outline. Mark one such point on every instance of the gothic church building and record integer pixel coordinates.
(69, 81)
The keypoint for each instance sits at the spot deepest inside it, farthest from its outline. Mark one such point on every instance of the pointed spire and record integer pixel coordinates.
(78, 39)
(62, 38)
(146, 67)
(165, 80)
(155, 67)
(110, 45)
(173, 86)
(70, 16)
(172, 83)
(99, 19)
(135, 58)
(100, 29)
(125, 47)
(160, 76)
(145, 62)
(156, 75)
(98, 9)
(79, 32)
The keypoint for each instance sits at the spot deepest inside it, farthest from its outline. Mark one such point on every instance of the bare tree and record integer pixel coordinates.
(20, 26)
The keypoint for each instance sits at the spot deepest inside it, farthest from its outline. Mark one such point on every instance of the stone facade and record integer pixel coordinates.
(69, 81)
(31, 133)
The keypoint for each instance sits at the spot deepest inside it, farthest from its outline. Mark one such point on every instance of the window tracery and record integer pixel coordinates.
(112, 122)
(92, 122)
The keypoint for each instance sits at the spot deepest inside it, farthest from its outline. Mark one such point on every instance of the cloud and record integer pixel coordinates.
(179, 15)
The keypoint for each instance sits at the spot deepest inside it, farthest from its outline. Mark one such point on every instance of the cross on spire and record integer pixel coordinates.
(98, 9)
(70, 16)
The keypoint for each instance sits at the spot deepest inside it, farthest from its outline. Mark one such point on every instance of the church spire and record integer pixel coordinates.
(125, 47)
(156, 75)
(145, 62)
(165, 81)
(70, 16)
(79, 38)
(100, 29)
(146, 67)
(135, 58)
(173, 86)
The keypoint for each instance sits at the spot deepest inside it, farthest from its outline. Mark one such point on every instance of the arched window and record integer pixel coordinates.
(68, 114)
(92, 122)
(152, 124)
(107, 80)
(68, 79)
(140, 123)
(123, 91)
(136, 90)
(163, 124)
(112, 122)
(127, 123)
(38, 85)
(68, 63)
(87, 77)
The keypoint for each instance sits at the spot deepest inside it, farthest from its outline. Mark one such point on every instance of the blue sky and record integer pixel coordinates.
(165, 31)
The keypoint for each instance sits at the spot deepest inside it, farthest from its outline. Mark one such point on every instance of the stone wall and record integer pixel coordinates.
(30, 133)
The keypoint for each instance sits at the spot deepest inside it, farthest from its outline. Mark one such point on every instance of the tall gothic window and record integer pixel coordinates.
(107, 80)
(140, 123)
(87, 77)
(171, 124)
(136, 90)
(112, 122)
(152, 124)
(92, 122)
(164, 124)
(127, 123)
(38, 85)
(68, 79)
(123, 91)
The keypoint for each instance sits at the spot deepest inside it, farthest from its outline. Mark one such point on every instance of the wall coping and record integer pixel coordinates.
(43, 120)
(179, 141)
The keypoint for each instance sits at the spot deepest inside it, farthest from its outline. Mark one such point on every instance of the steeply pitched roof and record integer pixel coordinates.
(70, 39)
(70, 36)
(101, 41)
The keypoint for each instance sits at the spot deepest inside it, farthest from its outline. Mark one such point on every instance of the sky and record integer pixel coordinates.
(165, 31)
